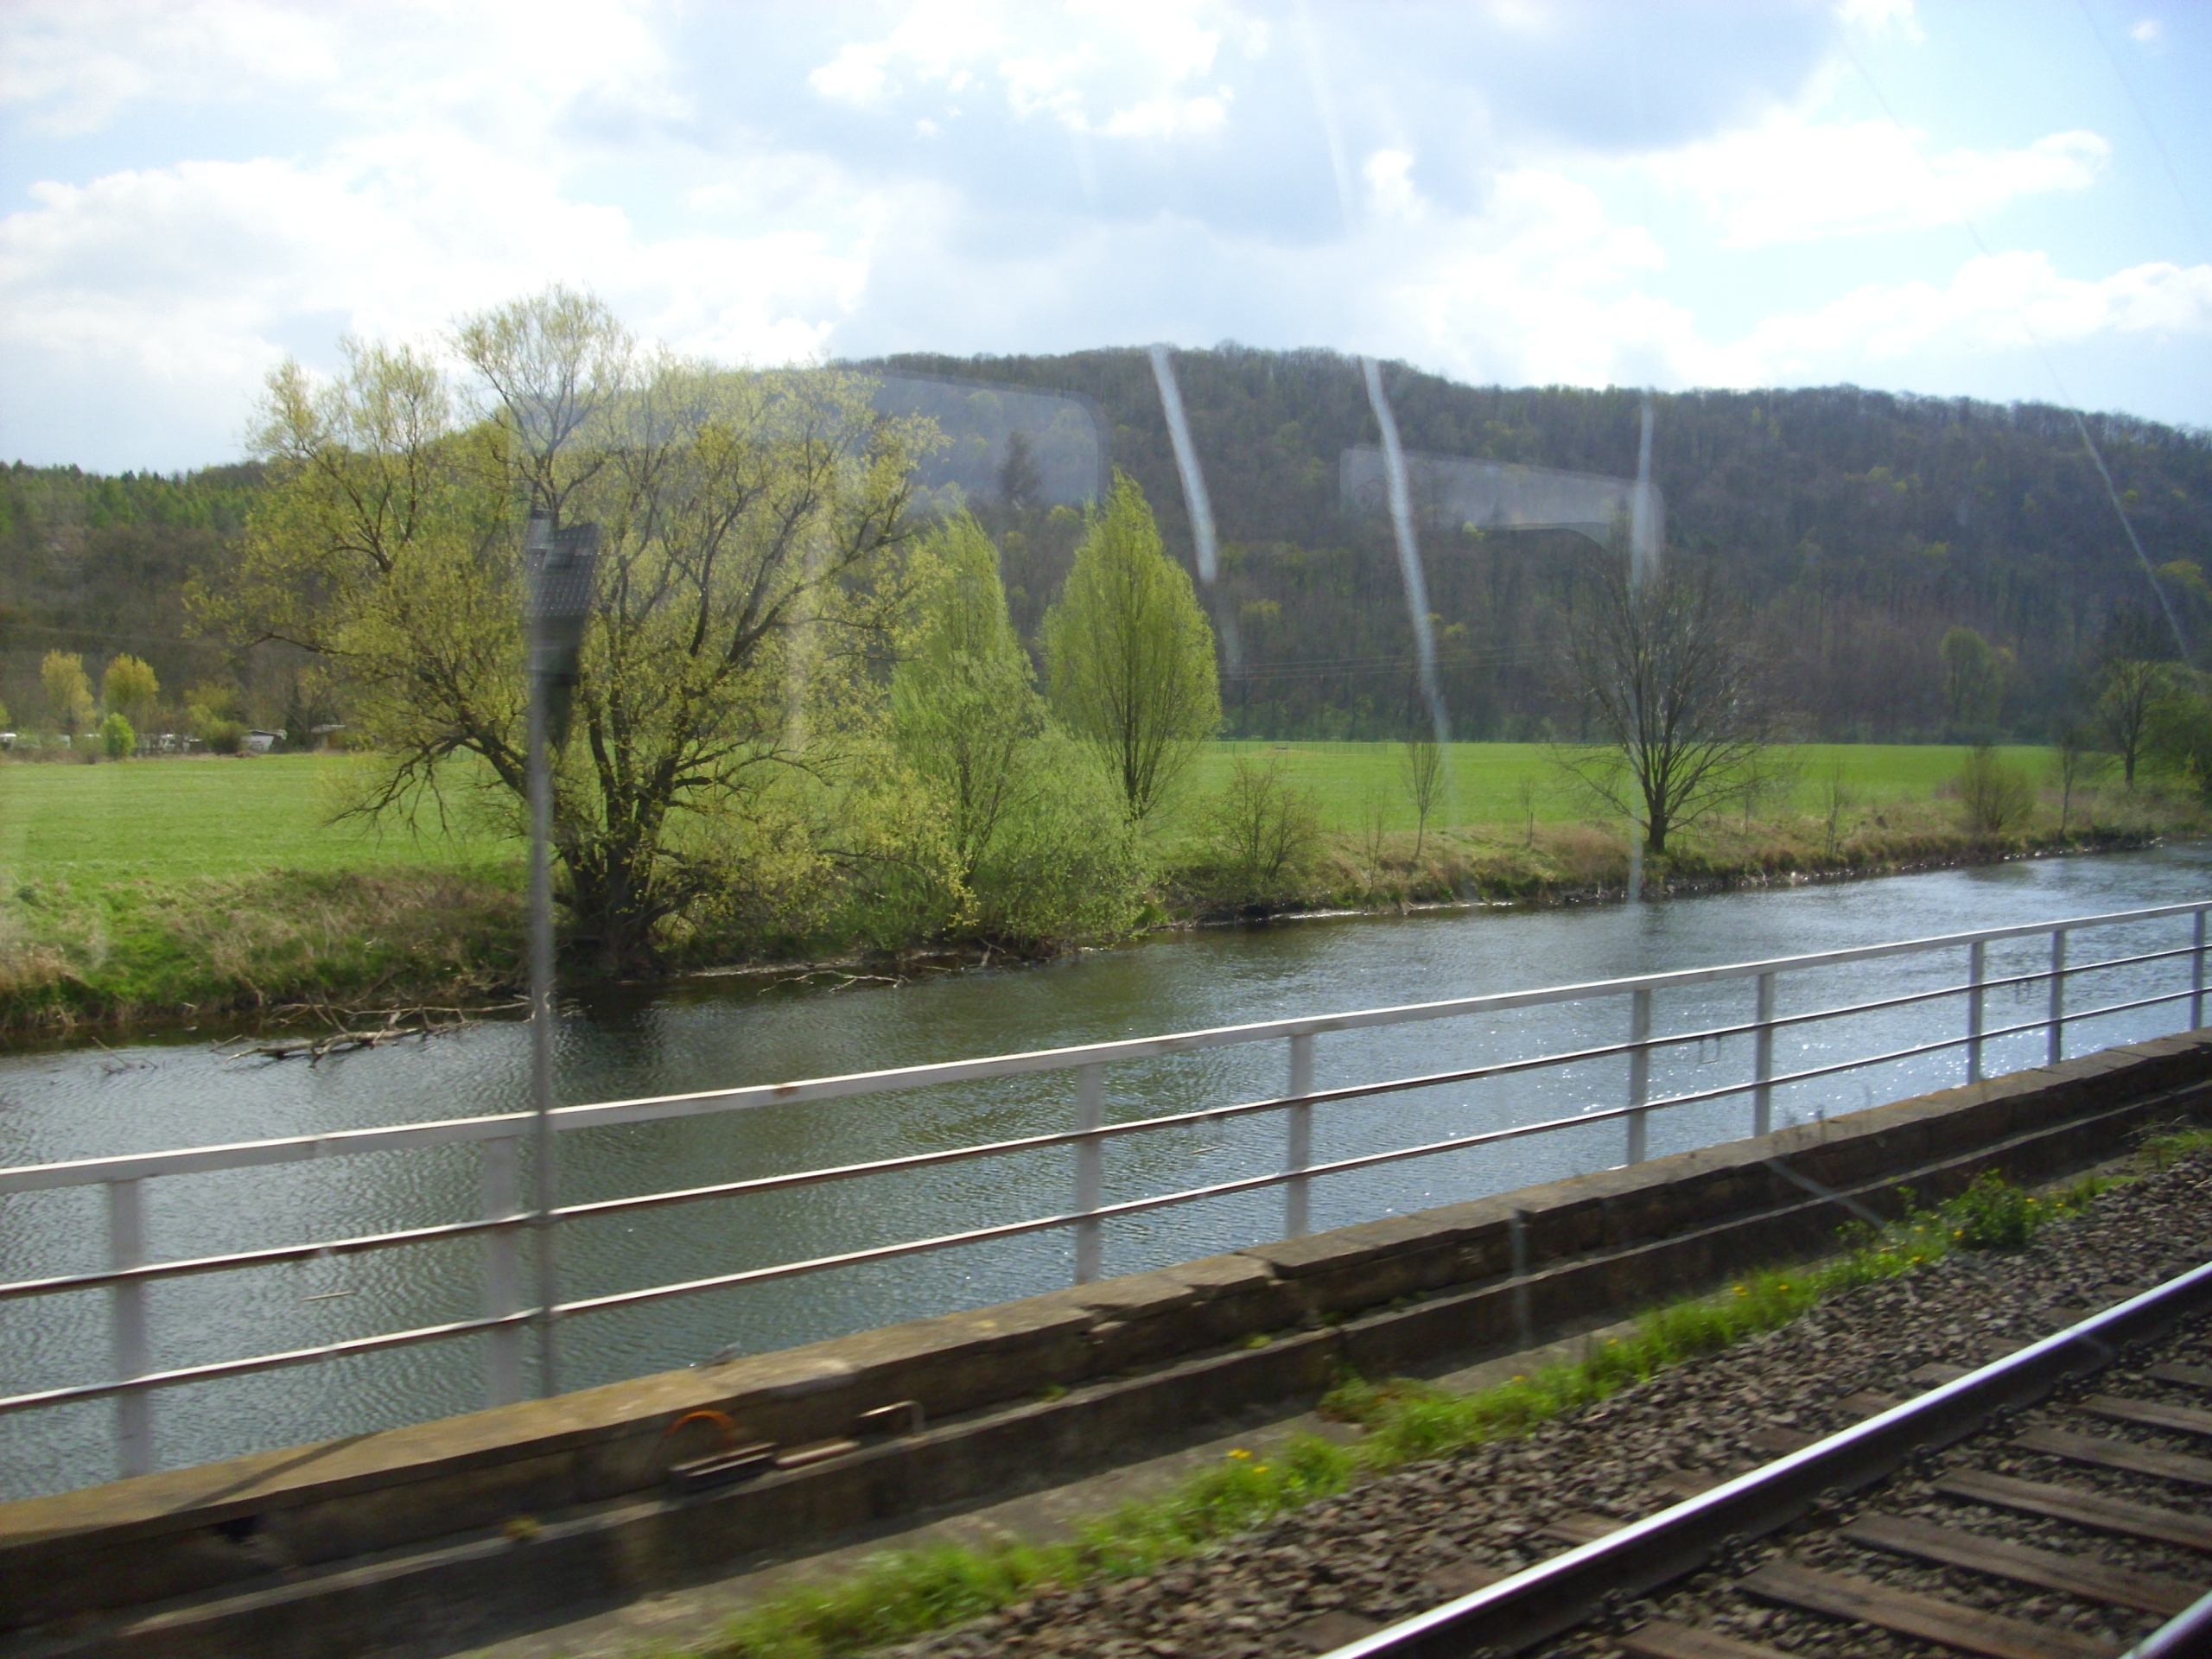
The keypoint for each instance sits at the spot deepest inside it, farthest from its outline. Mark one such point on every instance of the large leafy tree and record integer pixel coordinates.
(744, 520)
(1677, 692)
(1131, 653)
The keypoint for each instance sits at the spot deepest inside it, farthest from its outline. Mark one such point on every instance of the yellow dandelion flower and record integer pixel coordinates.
(1240, 1452)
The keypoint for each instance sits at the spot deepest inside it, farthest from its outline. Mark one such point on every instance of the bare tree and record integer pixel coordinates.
(1422, 766)
(1837, 797)
(1528, 793)
(2076, 767)
(2131, 693)
(1676, 693)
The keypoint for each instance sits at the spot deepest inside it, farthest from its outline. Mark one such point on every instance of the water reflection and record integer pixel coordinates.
(61, 1105)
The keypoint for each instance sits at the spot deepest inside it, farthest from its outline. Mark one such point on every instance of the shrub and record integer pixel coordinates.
(1994, 797)
(223, 736)
(1258, 839)
(116, 737)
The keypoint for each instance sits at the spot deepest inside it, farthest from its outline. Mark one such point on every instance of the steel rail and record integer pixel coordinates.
(1554, 1596)
(394, 1137)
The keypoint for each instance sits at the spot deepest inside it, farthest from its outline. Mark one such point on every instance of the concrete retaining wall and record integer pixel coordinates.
(269, 1551)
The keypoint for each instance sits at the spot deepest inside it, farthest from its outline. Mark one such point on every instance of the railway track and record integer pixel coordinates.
(1914, 1530)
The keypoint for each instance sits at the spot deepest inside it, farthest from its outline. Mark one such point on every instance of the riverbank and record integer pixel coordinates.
(83, 955)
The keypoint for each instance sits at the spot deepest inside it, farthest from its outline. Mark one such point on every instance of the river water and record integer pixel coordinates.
(92, 1101)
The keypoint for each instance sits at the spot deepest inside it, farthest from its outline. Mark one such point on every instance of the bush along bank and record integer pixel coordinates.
(74, 957)
(1586, 861)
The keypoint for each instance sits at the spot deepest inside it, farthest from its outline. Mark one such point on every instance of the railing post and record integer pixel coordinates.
(1639, 1071)
(1089, 1173)
(2058, 995)
(126, 1247)
(1298, 1196)
(2197, 977)
(503, 1268)
(1762, 1060)
(1977, 973)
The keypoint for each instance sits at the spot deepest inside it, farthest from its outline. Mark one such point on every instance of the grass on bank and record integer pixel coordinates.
(191, 887)
(904, 1594)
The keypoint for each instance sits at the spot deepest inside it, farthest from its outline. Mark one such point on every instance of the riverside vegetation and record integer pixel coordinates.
(192, 889)
(806, 724)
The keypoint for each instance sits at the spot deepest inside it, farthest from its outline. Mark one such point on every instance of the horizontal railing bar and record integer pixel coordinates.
(1008, 1230)
(260, 1362)
(274, 1255)
(348, 1143)
(279, 1254)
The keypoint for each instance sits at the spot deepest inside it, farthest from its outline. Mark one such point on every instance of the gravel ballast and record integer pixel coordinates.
(1408, 1539)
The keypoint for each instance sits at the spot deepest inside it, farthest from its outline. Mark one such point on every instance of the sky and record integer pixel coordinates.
(2005, 200)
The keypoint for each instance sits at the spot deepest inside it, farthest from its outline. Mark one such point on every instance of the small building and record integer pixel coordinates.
(261, 742)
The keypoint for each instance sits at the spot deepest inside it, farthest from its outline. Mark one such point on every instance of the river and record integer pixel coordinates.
(95, 1101)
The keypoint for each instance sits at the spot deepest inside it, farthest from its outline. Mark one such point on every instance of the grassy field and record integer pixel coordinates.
(183, 888)
(206, 817)
(233, 817)
(1484, 779)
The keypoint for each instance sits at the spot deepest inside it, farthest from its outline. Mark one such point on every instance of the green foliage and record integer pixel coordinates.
(1038, 853)
(2132, 692)
(744, 579)
(1974, 675)
(1259, 837)
(2177, 739)
(964, 706)
(1066, 867)
(1131, 654)
(68, 693)
(116, 737)
(128, 687)
(1994, 796)
(1992, 1214)
(72, 953)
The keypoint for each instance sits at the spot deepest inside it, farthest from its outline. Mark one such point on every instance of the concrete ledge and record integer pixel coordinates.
(594, 1461)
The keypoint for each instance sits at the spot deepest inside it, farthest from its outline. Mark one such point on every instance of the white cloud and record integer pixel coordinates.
(1795, 179)
(2004, 302)
(1116, 68)
(2147, 32)
(1879, 16)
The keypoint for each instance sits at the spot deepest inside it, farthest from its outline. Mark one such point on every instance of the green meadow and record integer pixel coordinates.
(231, 818)
(1483, 781)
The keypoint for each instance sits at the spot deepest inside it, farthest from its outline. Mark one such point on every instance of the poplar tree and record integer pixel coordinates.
(1131, 654)
(964, 698)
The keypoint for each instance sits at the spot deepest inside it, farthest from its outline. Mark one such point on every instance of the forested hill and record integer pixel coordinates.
(1860, 526)
(98, 565)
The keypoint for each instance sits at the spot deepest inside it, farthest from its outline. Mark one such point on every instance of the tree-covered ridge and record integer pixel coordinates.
(96, 565)
(1858, 527)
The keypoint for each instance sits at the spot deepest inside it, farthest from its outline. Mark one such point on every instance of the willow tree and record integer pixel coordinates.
(1131, 654)
(744, 518)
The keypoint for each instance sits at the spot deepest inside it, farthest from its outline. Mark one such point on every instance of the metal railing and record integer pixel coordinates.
(503, 1224)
